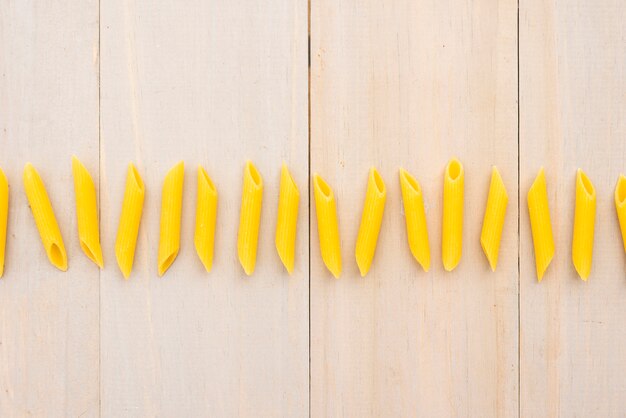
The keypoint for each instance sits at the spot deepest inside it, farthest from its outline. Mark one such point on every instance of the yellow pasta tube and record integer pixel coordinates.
(44, 218)
(620, 205)
(327, 225)
(287, 221)
(4, 212)
(132, 208)
(452, 234)
(371, 221)
(171, 213)
(416, 229)
(540, 224)
(87, 212)
(584, 223)
(206, 216)
(493, 221)
(250, 217)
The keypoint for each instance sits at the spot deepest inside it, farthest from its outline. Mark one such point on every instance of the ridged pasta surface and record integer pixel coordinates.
(44, 218)
(171, 213)
(287, 219)
(130, 218)
(493, 222)
(620, 206)
(87, 212)
(327, 225)
(371, 221)
(206, 216)
(4, 214)
(453, 196)
(415, 216)
(584, 225)
(540, 223)
(249, 218)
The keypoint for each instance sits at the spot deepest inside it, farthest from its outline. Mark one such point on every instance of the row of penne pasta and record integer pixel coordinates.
(327, 220)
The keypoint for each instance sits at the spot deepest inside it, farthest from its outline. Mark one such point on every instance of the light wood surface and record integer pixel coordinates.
(391, 84)
(413, 84)
(49, 320)
(192, 82)
(572, 107)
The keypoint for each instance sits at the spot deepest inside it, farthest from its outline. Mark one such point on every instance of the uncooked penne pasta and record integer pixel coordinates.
(620, 206)
(416, 228)
(288, 201)
(453, 195)
(171, 213)
(4, 214)
(44, 218)
(327, 225)
(371, 221)
(132, 208)
(249, 218)
(206, 216)
(541, 226)
(493, 222)
(584, 224)
(87, 212)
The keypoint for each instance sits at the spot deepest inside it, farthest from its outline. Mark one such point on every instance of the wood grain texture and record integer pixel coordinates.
(572, 108)
(49, 320)
(413, 84)
(211, 83)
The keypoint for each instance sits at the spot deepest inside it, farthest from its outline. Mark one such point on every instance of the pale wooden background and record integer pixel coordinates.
(518, 84)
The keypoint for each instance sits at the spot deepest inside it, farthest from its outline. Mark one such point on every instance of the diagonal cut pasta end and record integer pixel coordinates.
(94, 253)
(584, 225)
(493, 221)
(57, 256)
(620, 206)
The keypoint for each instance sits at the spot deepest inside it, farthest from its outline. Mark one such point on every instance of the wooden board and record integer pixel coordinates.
(49, 320)
(413, 84)
(211, 83)
(572, 107)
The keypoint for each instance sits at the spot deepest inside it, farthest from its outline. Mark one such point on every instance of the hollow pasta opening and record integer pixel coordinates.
(454, 170)
(378, 181)
(205, 178)
(254, 174)
(136, 177)
(410, 180)
(589, 189)
(323, 187)
(621, 190)
(56, 255)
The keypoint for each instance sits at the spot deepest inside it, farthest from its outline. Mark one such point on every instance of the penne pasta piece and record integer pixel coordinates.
(87, 212)
(416, 228)
(44, 218)
(453, 195)
(287, 221)
(4, 212)
(206, 216)
(371, 221)
(541, 226)
(620, 206)
(327, 225)
(250, 218)
(128, 229)
(171, 213)
(493, 222)
(584, 224)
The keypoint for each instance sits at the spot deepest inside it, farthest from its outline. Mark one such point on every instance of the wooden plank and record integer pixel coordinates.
(572, 114)
(413, 84)
(49, 337)
(211, 83)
